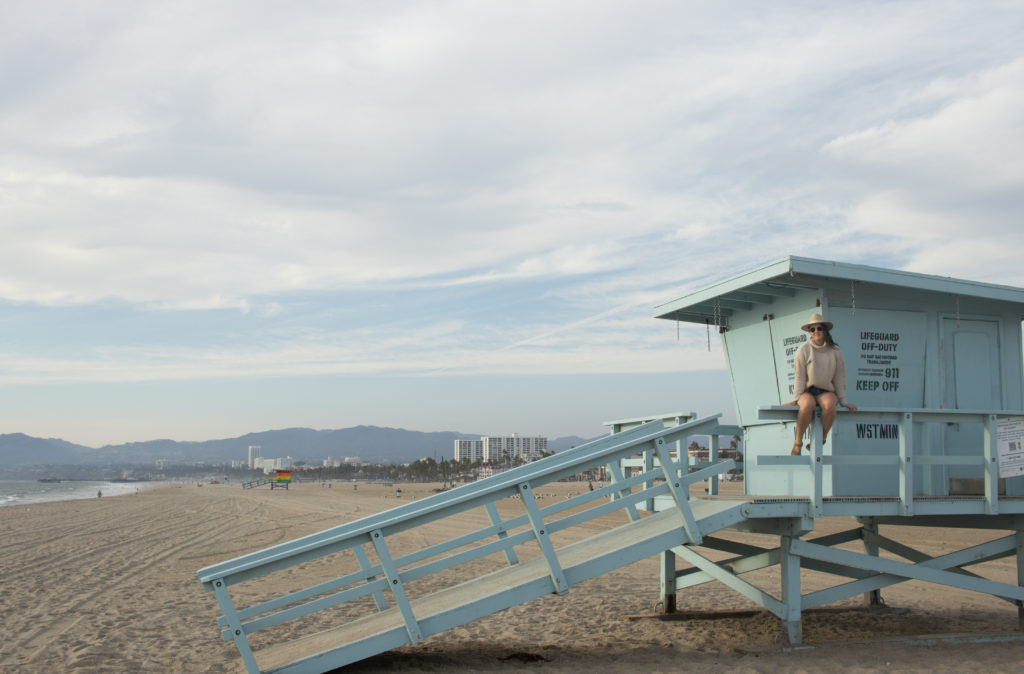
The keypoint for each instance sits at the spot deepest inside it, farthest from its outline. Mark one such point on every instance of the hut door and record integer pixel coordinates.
(970, 358)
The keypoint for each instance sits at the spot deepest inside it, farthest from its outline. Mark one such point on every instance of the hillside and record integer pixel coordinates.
(371, 444)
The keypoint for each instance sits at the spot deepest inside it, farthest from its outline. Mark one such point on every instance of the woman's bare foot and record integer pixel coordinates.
(796, 449)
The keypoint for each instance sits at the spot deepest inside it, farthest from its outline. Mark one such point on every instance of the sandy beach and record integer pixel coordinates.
(109, 585)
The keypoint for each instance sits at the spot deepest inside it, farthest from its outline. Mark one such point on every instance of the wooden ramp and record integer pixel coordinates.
(493, 592)
(401, 620)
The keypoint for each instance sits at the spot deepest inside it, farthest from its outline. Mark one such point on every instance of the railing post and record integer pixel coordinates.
(492, 514)
(991, 466)
(617, 476)
(906, 470)
(816, 467)
(679, 495)
(391, 573)
(561, 585)
(364, 563)
(227, 609)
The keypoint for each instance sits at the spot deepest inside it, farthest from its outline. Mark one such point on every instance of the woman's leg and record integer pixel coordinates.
(806, 404)
(828, 402)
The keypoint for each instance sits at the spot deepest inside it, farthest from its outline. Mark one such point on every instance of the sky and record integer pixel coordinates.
(219, 218)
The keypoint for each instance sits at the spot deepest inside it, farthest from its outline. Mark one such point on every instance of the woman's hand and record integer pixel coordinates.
(851, 407)
(791, 402)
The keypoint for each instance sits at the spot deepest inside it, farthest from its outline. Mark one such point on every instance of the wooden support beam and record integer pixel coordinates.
(561, 585)
(891, 571)
(395, 583)
(668, 582)
(790, 566)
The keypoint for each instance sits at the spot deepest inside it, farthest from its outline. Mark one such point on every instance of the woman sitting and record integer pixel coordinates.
(820, 380)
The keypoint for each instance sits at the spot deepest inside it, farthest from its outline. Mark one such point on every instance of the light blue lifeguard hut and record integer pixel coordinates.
(913, 345)
(935, 365)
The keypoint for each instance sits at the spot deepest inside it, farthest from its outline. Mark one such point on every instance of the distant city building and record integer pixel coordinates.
(472, 450)
(254, 454)
(162, 464)
(270, 465)
(331, 462)
(498, 449)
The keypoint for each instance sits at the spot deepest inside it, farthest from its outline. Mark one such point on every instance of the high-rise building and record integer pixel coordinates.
(254, 453)
(473, 450)
(498, 449)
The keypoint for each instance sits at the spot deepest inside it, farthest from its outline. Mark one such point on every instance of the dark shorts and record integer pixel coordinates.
(815, 391)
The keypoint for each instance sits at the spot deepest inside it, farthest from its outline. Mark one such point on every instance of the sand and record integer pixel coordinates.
(109, 585)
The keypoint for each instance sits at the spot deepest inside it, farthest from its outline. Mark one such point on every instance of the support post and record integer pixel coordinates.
(713, 457)
(790, 566)
(872, 598)
(668, 582)
(648, 467)
(1020, 576)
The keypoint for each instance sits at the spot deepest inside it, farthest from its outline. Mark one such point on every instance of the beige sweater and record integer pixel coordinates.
(820, 366)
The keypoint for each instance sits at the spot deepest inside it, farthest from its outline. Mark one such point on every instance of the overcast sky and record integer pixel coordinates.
(226, 217)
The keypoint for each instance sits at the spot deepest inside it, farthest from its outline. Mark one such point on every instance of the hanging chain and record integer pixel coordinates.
(707, 325)
(853, 300)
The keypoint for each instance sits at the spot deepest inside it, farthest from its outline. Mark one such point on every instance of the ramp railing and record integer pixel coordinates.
(354, 571)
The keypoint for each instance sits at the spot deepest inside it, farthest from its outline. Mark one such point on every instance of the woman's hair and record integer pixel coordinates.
(829, 340)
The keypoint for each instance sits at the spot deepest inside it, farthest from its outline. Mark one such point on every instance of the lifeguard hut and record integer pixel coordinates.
(913, 345)
(935, 365)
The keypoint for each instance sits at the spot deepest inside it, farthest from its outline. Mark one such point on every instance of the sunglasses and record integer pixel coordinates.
(818, 328)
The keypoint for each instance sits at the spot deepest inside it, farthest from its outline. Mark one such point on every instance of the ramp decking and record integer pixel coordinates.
(493, 592)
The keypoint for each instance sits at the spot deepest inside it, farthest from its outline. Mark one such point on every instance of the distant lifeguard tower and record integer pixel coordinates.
(936, 366)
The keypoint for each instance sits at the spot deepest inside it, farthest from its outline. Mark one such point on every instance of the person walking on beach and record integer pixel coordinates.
(820, 380)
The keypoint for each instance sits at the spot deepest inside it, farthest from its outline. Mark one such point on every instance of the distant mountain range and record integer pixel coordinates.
(371, 444)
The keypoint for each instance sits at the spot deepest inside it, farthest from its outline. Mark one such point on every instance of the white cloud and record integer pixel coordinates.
(949, 183)
(181, 155)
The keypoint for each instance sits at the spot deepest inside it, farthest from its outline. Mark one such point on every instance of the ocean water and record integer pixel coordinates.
(14, 492)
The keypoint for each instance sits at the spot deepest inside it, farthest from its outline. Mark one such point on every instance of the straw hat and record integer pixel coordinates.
(814, 320)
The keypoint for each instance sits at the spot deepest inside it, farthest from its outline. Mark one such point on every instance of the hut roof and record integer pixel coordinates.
(784, 277)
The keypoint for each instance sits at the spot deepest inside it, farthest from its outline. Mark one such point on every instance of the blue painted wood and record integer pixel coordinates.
(543, 537)
(789, 565)
(984, 458)
(891, 572)
(492, 514)
(364, 565)
(412, 619)
(748, 590)
(396, 585)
